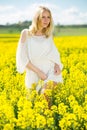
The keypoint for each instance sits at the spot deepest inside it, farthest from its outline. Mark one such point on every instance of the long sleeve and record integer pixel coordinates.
(54, 55)
(22, 58)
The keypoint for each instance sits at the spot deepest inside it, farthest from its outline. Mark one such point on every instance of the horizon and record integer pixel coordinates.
(9, 24)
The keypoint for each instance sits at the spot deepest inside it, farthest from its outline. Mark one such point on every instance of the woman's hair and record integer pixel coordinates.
(36, 22)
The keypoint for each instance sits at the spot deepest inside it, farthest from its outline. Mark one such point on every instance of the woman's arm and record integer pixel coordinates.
(54, 56)
(30, 66)
(57, 69)
(40, 73)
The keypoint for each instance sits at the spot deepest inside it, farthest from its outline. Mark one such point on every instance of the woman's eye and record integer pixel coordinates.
(48, 17)
(43, 16)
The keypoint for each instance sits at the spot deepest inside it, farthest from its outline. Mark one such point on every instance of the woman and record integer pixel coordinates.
(36, 52)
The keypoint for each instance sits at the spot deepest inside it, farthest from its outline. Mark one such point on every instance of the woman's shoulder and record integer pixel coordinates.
(24, 35)
(50, 37)
(24, 31)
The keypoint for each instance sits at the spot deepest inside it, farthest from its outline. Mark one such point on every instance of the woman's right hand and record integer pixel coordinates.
(42, 75)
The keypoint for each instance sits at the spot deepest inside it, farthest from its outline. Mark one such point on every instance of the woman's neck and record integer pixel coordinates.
(39, 33)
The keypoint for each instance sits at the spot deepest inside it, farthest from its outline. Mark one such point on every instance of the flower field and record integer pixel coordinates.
(22, 109)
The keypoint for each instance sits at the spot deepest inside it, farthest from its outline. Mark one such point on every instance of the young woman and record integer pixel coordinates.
(36, 52)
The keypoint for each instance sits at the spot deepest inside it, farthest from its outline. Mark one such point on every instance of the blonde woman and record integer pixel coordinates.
(36, 52)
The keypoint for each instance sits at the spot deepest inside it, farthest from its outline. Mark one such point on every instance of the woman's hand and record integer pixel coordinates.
(42, 75)
(57, 70)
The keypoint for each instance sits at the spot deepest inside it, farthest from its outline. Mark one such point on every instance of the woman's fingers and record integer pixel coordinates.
(57, 70)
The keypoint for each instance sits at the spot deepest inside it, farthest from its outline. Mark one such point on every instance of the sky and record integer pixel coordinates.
(64, 12)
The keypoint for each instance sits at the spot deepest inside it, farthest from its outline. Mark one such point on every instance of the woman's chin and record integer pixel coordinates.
(45, 26)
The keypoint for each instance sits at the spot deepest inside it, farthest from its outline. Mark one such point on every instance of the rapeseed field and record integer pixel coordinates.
(22, 109)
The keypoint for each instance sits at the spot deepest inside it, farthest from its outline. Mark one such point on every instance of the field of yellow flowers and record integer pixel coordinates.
(22, 109)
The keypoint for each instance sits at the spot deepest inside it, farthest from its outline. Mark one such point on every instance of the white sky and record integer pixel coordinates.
(63, 11)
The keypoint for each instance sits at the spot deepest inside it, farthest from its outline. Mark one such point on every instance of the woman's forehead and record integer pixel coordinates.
(45, 12)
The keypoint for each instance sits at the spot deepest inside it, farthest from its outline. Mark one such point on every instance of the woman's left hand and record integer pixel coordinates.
(57, 70)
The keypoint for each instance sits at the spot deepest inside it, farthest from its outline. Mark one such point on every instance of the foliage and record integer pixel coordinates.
(59, 30)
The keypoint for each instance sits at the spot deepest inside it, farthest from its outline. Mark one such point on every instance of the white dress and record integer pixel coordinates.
(42, 52)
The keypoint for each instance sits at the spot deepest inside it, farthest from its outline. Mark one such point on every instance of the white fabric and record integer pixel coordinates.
(22, 58)
(42, 52)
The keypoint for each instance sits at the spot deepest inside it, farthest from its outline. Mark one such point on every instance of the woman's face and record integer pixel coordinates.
(45, 19)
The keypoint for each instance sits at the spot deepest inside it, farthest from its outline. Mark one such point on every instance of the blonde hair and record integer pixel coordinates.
(35, 22)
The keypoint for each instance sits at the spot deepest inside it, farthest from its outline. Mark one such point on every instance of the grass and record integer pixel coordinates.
(71, 31)
(58, 31)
